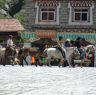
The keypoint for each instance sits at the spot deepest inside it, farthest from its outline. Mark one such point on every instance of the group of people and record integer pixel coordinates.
(11, 53)
(42, 60)
(86, 53)
(78, 42)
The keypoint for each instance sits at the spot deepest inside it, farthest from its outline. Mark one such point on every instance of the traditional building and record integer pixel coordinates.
(9, 27)
(61, 18)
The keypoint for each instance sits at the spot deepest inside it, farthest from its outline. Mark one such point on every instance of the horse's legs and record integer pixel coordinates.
(36, 63)
(3, 61)
(12, 61)
(48, 62)
(21, 63)
(91, 64)
(60, 65)
(81, 63)
(72, 63)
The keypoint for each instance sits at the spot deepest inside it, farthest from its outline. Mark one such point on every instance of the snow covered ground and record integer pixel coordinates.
(31, 80)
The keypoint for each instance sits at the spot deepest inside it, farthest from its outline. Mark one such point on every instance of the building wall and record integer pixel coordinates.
(94, 15)
(64, 14)
(30, 16)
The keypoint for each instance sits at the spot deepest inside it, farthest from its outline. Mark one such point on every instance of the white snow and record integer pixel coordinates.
(31, 80)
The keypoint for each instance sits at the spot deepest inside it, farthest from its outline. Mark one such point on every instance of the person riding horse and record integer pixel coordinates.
(10, 51)
(10, 41)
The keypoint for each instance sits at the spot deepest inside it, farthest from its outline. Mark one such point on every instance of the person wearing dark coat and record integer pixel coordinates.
(78, 42)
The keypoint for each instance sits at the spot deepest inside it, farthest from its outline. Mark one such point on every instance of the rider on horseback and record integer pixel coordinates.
(10, 41)
(10, 50)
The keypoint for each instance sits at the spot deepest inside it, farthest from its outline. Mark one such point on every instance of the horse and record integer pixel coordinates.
(55, 55)
(9, 56)
(78, 57)
(71, 55)
(13, 56)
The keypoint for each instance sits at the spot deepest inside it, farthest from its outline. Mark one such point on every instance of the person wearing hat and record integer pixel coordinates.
(67, 43)
(10, 41)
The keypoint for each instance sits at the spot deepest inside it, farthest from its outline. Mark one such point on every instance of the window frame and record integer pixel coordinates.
(39, 5)
(71, 14)
(81, 12)
(48, 12)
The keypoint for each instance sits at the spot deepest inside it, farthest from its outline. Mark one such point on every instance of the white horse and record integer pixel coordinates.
(61, 52)
(53, 54)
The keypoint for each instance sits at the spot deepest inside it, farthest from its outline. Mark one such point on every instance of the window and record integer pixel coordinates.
(81, 14)
(47, 14)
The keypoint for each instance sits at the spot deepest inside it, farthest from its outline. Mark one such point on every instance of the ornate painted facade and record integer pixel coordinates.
(66, 18)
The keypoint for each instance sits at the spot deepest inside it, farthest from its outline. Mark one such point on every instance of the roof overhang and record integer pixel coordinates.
(10, 25)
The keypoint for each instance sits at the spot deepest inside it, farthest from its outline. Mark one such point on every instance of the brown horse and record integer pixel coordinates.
(9, 56)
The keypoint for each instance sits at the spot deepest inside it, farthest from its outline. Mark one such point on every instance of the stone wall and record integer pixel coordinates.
(30, 15)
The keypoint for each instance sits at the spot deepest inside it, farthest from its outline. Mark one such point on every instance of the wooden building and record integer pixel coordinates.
(9, 27)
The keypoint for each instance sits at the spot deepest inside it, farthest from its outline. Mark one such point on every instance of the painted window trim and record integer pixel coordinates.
(83, 22)
(49, 22)
(48, 13)
(81, 17)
